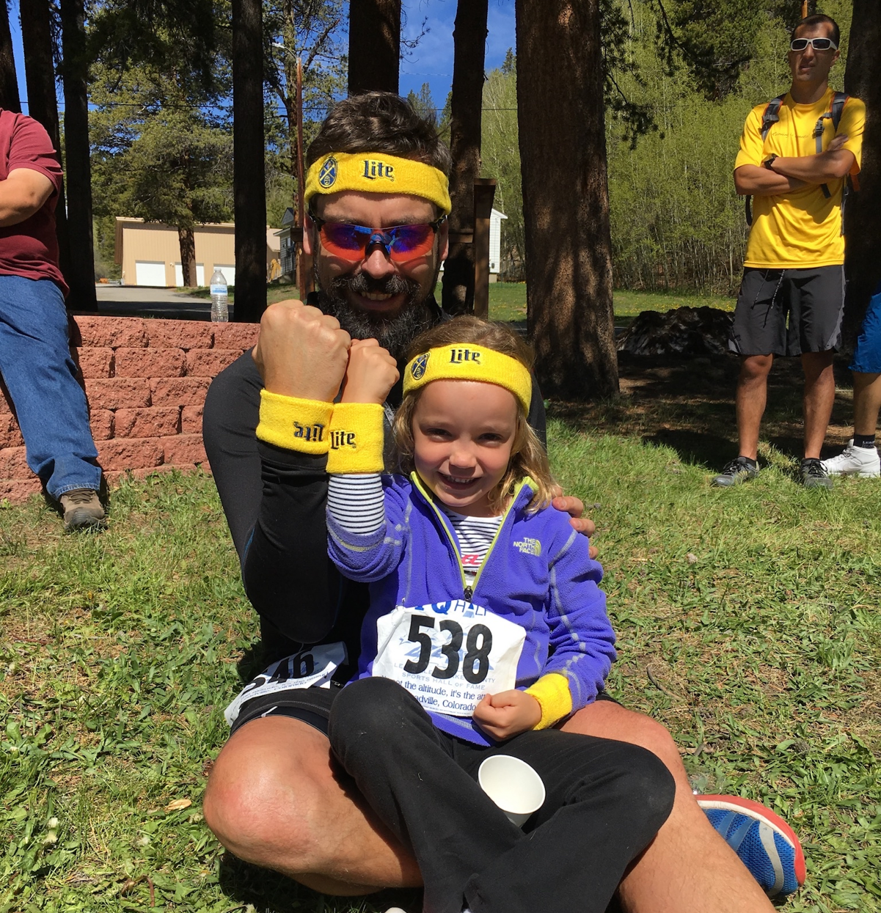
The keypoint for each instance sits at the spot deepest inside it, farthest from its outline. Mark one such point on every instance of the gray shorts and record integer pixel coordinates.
(788, 311)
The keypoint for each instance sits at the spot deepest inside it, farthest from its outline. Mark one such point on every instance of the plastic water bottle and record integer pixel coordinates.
(219, 298)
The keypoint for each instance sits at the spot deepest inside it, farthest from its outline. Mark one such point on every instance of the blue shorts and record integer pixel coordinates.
(867, 354)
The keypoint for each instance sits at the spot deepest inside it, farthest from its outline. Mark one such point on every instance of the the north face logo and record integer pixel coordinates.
(529, 547)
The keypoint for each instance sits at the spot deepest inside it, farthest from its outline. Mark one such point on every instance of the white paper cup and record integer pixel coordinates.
(513, 785)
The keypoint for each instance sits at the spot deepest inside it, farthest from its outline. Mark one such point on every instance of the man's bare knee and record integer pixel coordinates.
(262, 803)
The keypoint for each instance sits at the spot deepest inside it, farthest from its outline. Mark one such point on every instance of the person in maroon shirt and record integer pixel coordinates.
(35, 361)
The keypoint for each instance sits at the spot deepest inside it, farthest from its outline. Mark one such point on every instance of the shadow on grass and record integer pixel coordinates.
(687, 403)
(270, 892)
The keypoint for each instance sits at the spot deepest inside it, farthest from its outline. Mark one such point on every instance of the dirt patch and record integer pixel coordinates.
(687, 402)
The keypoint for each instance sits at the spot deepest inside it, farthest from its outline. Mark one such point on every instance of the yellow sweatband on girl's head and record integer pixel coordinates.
(377, 172)
(466, 361)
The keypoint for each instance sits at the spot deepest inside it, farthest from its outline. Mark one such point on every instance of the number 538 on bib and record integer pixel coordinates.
(448, 655)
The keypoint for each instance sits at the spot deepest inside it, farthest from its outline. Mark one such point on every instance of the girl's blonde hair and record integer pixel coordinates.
(528, 456)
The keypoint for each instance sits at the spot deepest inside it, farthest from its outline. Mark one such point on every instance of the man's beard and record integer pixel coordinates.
(394, 333)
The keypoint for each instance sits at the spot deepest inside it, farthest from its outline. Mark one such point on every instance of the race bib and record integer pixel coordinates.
(313, 666)
(448, 655)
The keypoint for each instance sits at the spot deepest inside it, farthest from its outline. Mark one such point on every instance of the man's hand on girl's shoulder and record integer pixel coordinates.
(571, 505)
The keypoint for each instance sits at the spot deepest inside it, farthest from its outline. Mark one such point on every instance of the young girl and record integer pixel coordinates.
(485, 626)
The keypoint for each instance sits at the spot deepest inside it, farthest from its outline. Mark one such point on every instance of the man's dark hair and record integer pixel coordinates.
(819, 19)
(380, 122)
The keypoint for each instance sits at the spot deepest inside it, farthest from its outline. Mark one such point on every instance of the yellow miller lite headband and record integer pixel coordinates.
(376, 172)
(465, 361)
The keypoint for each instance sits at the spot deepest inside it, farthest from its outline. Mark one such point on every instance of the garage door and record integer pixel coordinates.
(150, 272)
(179, 274)
(229, 272)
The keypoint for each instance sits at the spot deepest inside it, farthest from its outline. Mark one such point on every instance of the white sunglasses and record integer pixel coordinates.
(818, 44)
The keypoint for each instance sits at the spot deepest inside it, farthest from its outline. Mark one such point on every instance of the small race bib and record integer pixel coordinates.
(448, 655)
(313, 666)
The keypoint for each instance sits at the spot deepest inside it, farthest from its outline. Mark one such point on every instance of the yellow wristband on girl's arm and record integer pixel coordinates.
(356, 438)
(295, 424)
(553, 696)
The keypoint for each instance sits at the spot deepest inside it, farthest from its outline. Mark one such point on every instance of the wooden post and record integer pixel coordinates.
(484, 193)
(304, 262)
(804, 9)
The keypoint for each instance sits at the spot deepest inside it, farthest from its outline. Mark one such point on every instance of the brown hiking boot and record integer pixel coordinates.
(82, 509)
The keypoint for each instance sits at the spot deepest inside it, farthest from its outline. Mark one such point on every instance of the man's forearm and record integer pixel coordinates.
(758, 181)
(23, 193)
(287, 574)
(822, 168)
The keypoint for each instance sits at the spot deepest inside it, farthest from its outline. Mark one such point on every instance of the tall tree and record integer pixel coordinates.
(469, 53)
(161, 152)
(248, 165)
(39, 64)
(863, 210)
(81, 271)
(374, 45)
(304, 31)
(565, 197)
(8, 80)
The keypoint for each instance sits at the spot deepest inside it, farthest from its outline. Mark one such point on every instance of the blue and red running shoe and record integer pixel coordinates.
(763, 841)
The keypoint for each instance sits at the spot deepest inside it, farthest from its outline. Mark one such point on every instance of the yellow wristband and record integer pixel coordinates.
(356, 438)
(295, 424)
(553, 696)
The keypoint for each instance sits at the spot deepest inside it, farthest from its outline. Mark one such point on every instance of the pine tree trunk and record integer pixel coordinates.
(469, 42)
(863, 210)
(81, 273)
(8, 80)
(39, 64)
(374, 45)
(566, 197)
(187, 241)
(248, 166)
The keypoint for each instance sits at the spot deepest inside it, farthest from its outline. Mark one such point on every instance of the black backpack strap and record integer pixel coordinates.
(771, 115)
(839, 100)
(834, 114)
(769, 118)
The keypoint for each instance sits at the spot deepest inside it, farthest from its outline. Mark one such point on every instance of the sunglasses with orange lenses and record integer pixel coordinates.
(401, 243)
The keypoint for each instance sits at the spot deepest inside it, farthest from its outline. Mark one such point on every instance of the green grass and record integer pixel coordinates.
(748, 623)
(507, 300)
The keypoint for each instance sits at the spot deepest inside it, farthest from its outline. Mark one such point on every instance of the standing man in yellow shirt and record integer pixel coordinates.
(792, 294)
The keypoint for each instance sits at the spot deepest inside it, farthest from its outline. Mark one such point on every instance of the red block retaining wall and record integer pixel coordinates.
(145, 382)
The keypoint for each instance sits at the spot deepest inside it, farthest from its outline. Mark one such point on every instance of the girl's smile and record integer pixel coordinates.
(463, 436)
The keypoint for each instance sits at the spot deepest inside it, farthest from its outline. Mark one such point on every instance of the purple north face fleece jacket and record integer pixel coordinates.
(537, 574)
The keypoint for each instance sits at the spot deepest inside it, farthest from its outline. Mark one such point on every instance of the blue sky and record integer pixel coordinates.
(431, 61)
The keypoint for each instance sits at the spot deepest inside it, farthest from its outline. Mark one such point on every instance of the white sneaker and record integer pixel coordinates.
(855, 461)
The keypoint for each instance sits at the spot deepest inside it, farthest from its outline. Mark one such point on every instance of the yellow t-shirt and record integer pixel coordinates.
(802, 229)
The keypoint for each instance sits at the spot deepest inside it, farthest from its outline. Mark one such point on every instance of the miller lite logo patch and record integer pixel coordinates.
(328, 174)
(376, 169)
(464, 356)
(419, 366)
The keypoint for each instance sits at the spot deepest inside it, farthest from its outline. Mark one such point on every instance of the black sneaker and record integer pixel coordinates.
(736, 471)
(814, 474)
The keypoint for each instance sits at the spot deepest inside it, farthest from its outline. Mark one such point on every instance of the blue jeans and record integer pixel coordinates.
(41, 378)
